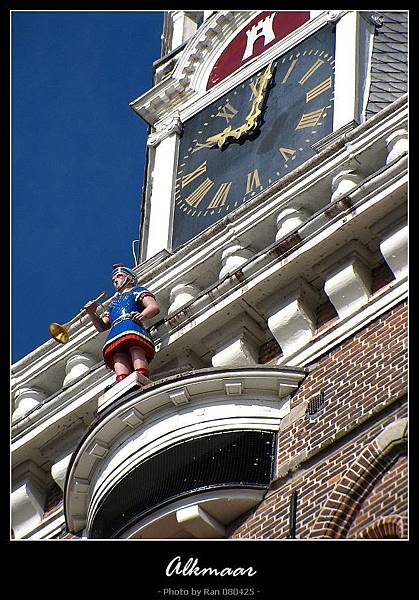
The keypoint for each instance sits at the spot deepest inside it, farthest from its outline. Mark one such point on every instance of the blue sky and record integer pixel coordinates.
(78, 155)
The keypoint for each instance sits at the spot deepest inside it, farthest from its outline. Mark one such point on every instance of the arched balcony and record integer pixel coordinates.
(180, 457)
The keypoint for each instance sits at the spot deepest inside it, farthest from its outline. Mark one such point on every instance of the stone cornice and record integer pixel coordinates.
(51, 355)
(261, 267)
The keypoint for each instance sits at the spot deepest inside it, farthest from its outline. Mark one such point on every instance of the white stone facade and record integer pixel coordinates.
(318, 234)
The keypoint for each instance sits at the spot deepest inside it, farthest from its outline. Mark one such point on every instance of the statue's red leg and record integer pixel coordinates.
(139, 360)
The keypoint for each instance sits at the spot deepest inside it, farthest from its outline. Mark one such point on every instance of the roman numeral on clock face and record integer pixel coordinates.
(186, 179)
(220, 195)
(311, 70)
(310, 119)
(253, 180)
(227, 112)
(287, 153)
(290, 69)
(319, 89)
(197, 195)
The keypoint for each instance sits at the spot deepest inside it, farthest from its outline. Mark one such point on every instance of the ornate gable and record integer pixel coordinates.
(189, 79)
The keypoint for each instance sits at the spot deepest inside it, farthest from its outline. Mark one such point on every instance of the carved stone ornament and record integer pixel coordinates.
(376, 18)
(164, 129)
(333, 16)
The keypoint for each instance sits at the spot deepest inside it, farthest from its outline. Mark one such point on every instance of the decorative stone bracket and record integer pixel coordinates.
(26, 399)
(293, 321)
(397, 144)
(348, 278)
(77, 365)
(28, 498)
(394, 249)
(199, 523)
(164, 129)
(237, 344)
(344, 182)
(181, 294)
(289, 219)
(232, 258)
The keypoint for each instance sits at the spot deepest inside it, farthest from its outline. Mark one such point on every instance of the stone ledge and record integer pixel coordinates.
(295, 414)
(132, 381)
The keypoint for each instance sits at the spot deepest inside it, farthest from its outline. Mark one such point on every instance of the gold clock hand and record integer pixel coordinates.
(251, 119)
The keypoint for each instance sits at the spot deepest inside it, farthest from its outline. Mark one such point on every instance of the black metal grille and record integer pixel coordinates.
(315, 404)
(217, 460)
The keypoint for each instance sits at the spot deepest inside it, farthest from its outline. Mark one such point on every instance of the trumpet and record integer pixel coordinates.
(60, 332)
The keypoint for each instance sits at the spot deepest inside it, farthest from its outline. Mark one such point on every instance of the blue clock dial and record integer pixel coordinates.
(254, 135)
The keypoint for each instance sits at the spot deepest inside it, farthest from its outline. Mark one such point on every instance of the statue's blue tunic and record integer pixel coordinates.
(124, 331)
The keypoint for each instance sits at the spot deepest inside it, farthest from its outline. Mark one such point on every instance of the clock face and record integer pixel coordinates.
(254, 135)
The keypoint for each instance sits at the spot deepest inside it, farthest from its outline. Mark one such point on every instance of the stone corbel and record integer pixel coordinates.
(196, 521)
(289, 219)
(77, 365)
(394, 249)
(232, 258)
(164, 129)
(397, 144)
(26, 399)
(181, 294)
(237, 344)
(347, 276)
(344, 182)
(59, 470)
(292, 321)
(333, 16)
(28, 498)
(59, 452)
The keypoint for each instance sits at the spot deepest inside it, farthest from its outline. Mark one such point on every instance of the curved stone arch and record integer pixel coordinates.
(394, 527)
(344, 502)
(141, 423)
(203, 50)
(185, 88)
(205, 47)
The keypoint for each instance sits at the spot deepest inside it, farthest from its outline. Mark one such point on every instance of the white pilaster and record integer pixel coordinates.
(196, 521)
(394, 249)
(290, 218)
(164, 144)
(26, 399)
(397, 143)
(28, 498)
(232, 258)
(346, 70)
(181, 294)
(77, 365)
(184, 25)
(293, 321)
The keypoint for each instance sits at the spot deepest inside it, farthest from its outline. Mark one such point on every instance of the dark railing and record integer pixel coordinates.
(228, 459)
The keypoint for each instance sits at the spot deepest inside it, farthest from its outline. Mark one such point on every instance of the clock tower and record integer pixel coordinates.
(274, 238)
(252, 97)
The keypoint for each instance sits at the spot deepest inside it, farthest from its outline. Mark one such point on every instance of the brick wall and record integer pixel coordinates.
(364, 381)
(383, 502)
